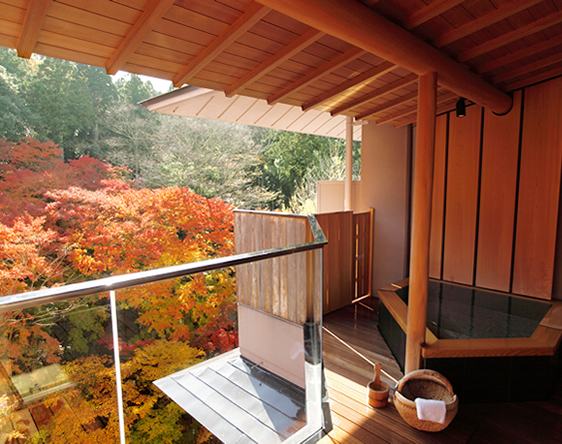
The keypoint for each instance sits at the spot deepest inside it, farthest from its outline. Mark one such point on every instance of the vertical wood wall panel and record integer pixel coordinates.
(338, 257)
(438, 199)
(498, 190)
(462, 196)
(539, 188)
(276, 286)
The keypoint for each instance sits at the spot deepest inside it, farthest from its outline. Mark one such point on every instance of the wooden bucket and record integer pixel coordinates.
(378, 391)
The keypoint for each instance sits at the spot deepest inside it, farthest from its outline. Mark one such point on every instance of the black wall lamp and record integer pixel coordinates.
(461, 107)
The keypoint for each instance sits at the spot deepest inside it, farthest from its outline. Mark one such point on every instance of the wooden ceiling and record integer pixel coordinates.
(244, 47)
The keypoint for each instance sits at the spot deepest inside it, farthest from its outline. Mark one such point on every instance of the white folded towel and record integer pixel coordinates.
(431, 410)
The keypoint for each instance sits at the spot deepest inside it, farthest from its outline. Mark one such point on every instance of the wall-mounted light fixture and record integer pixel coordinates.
(461, 107)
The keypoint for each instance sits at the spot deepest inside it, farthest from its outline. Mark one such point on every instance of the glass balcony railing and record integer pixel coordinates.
(79, 361)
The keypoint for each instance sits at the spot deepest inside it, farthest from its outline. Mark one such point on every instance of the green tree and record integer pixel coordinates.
(291, 157)
(16, 120)
(60, 97)
(214, 159)
(132, 89)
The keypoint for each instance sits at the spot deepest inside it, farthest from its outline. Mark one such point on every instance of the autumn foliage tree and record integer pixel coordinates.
(67, 221)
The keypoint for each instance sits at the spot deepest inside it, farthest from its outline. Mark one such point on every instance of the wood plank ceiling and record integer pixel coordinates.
(242, 47)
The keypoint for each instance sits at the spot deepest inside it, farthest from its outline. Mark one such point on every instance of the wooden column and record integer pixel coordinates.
(421, 220)
(348, 162)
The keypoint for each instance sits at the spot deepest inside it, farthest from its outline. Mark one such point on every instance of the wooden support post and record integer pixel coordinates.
(421, 220)
(348, 163)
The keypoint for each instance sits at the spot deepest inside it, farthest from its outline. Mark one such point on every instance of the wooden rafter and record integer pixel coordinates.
(32, 23)
(316, 74)
(365, 77)
(400, 83)
(246, 21)
(154, 11)
(413, 117)
(519, 33)
(512, 73)
(359, 26)
(428, 12)
(521, 54)
(413, 109)
(535, 79)
(274, 61)
(501, 13)
(391, 104)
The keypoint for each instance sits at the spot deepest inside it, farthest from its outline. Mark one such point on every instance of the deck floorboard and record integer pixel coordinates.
(349, 372)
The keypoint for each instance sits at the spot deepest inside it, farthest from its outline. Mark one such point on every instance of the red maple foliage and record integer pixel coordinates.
(78, 220)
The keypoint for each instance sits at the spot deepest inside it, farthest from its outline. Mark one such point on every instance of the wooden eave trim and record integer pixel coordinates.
(274, 61)
(501, 13)
(430, 11)
(244, 23)
(512, 73)
(362, 27)
(403, 99)
(405, 81)
(535, 79)
(519, 33)
(316, 74)
(149, 18)
(521, 54)
(365, 77)
(32, 24)
(414, 109)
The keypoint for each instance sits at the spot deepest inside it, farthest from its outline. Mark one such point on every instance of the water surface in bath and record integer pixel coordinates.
(457, 312)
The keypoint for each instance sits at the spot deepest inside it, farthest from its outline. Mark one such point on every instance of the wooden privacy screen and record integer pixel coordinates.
(277, 286)
(347, 259)
(496, 194)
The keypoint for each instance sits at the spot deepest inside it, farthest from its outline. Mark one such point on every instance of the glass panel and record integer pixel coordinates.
(163, 328)
(57, 378)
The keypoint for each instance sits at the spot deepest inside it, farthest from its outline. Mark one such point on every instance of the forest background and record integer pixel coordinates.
(93, 185)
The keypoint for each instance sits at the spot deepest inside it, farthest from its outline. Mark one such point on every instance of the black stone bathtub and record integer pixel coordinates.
(492, 346)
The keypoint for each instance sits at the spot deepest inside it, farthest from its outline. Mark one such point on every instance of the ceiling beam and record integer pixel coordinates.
(413, 109)
(387, 89)
(32, 23)
(512, 36)
(230, 34)
(325, 69)
(428, 12)
(521, 54)
(362, 27)
(535, 79)
(364, 77)
(368, 3)
(495, 16)
(274, 61)
(512, 73)
(391, 104)
(414, 117)
(154, 11)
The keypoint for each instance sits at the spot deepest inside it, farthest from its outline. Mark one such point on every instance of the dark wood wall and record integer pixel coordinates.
(496, 194)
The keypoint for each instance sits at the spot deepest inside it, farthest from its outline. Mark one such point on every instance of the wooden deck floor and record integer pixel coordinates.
(355, 422)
